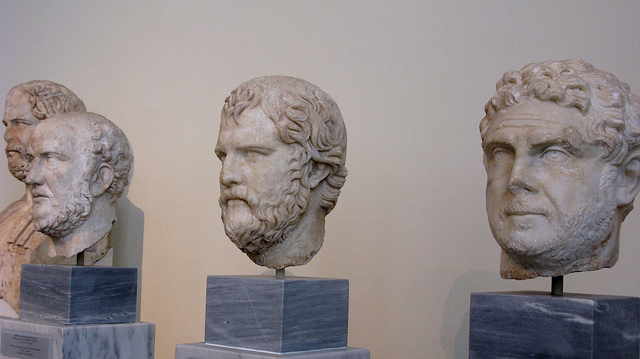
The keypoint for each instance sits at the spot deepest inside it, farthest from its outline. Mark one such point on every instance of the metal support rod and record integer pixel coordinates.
(557, 286)
(80, 259)
(280, 273)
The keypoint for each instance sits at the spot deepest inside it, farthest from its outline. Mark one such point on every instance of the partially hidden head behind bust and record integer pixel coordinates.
(80, 165)
(283, 145)
(561, 145)
(26, 105)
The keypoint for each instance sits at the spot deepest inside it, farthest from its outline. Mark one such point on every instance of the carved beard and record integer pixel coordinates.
(69, 217)
(580, 238)
(273, 216)
(17, 160)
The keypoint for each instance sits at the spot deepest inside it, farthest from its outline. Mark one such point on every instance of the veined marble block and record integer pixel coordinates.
(538, 325)
(208, 351)
(113, 341)
(280, 315)
(78, 295)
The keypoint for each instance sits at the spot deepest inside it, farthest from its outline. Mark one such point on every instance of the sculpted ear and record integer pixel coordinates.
(629, 184)
(102, 180)
(318, 173)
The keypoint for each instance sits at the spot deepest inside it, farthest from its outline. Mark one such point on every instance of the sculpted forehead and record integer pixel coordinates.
(537, 122)
(18, 107)
(55, 136)
(253, 126)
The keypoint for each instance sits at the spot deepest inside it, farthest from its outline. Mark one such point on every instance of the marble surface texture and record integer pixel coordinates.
(283, 146)
(277, 314)
(114, 341)
(537, 325)
(27, 105)
(207, 351)
(74, 202)
(556, 193)
(78, 295)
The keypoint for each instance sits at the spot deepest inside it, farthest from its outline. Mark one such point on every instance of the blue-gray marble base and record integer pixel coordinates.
(116, 341)
(209, 351)
(538, 325)
(277, 314)
(75, 295)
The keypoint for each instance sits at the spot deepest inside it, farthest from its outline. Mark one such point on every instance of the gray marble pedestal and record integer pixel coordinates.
(60, 294)
(537, 325)
(277, 314)
(207, 351)
(22, 339)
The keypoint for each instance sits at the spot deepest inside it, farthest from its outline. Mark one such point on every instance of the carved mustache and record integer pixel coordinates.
(241, 193)
(15, 146)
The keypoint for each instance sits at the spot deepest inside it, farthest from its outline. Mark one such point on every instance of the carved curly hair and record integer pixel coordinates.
(49, 98)
(611, 111)
(110, 145)
(306, 118)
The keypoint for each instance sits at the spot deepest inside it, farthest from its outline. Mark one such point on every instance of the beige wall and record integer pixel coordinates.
(411, 79)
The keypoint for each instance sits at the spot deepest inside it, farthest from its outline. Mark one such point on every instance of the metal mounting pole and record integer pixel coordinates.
(557, 286)
(80, 259)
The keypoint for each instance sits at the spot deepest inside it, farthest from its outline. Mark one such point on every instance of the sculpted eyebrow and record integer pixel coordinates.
(562, 142)
(489, 145)
(262, 149)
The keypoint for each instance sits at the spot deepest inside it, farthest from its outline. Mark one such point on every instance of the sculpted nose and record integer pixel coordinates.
(230, 173)
(34, 176)
(522, 177)
(7, 134)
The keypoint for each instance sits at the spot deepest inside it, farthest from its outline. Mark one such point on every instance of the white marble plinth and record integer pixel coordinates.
(94, 341)
(210, 351)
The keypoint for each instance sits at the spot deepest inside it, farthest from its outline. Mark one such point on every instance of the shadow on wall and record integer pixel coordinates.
(126, 240)
(454, 331)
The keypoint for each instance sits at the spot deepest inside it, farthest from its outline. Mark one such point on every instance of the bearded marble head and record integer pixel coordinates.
(282, 144)
(26, 105)
(561, 147)
(79, 167)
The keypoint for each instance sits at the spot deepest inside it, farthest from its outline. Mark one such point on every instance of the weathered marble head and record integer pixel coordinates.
(26, 105)
(561, 147)
(283, 145)
(80, 165)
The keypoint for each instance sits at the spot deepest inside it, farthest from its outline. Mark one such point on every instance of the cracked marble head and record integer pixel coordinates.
(282, 144)
(561, 149)
(26, 105)
(80, 165)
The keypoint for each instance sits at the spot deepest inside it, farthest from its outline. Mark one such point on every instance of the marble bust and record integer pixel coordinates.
(282, 144)
(79, 167)
(26, 105)
(561, 145)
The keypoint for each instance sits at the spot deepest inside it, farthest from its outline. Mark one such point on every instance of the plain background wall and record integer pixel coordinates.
(410, 229)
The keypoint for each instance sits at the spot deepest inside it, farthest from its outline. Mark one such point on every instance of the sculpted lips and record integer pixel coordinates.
(14, 148)
(38, 195)
(238, 193)
(518, 210)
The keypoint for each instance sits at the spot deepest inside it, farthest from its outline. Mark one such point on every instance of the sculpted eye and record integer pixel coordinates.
(555, 155)
(501, 155)
(254, 154)
(52, 159)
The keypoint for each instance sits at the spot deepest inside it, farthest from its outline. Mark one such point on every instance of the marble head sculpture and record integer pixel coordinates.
(561, 149)
(80, 165)
(26, 105)
(282, 144)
